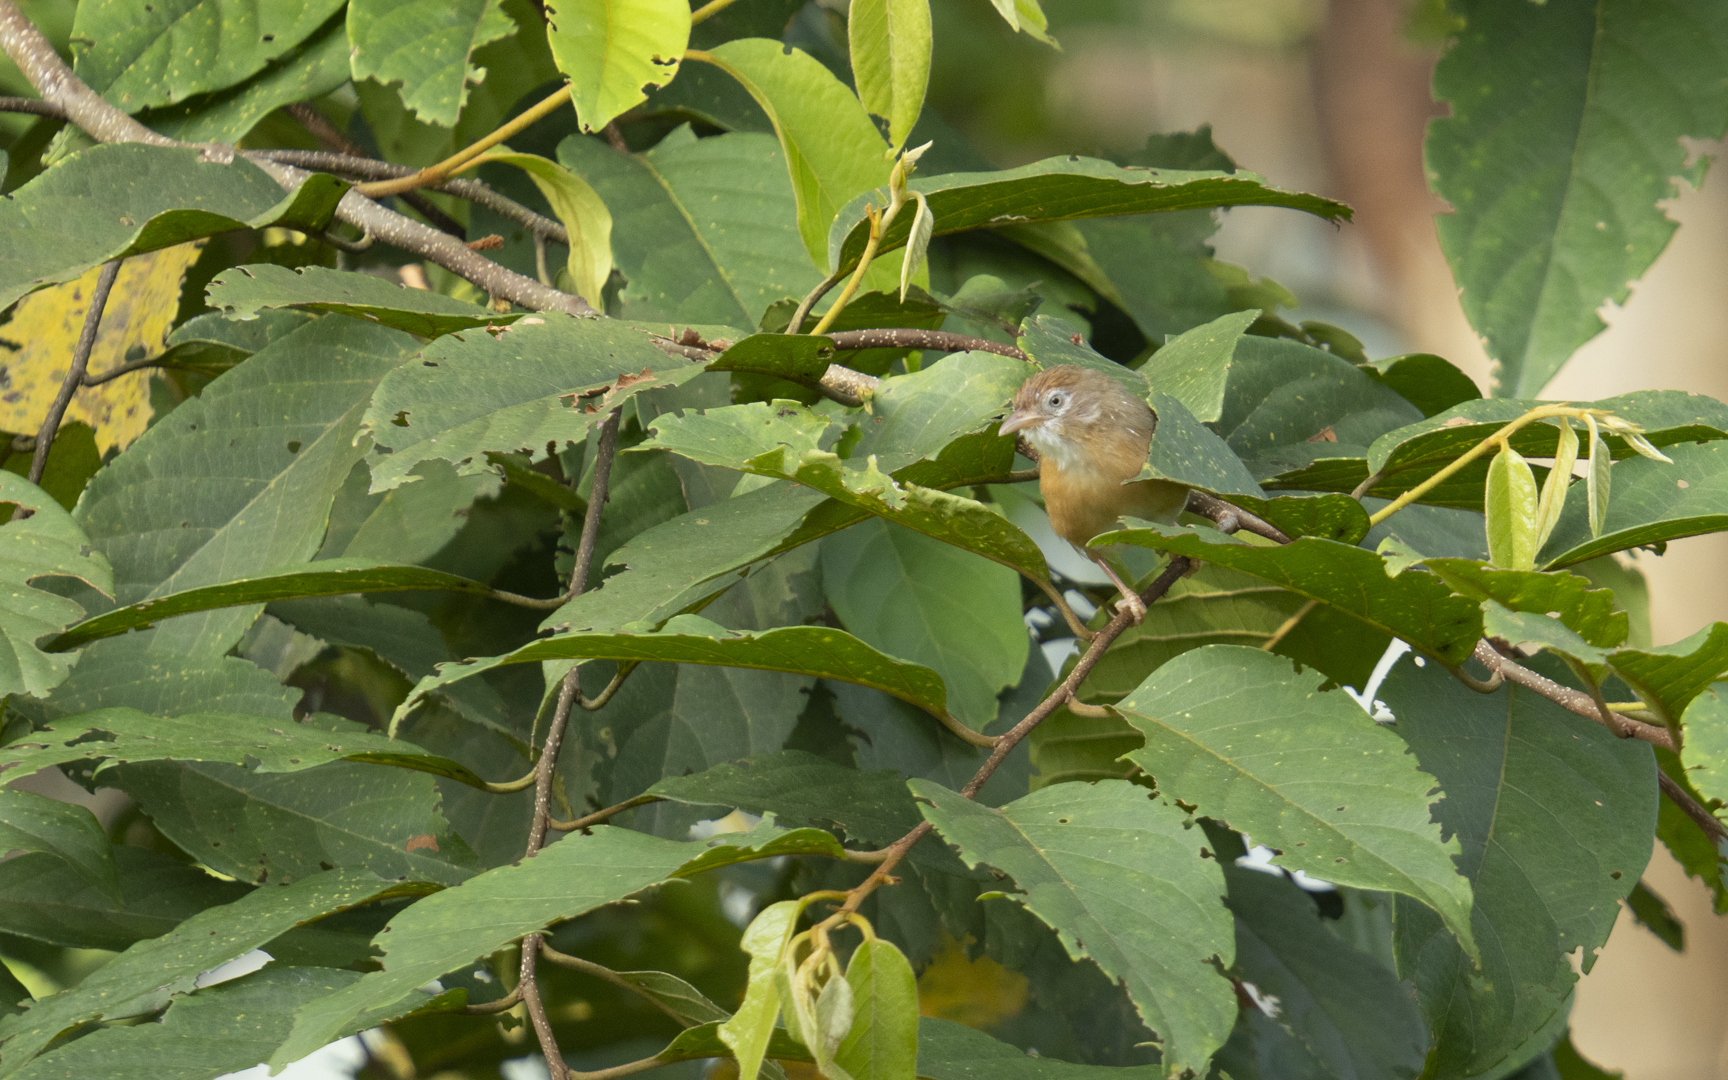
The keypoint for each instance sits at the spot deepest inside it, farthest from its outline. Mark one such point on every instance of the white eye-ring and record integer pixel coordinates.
(1056, 399)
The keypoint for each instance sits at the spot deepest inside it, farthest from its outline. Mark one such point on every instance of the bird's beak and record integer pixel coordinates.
(1017, 422)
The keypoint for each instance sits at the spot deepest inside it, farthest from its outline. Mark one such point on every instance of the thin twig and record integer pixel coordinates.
(1005, 744)
(473, 191)
(547, 766)
(34, 106)
(75, 373)
(933, 340)
(1712, 826)
(1573, 700)
(1288, 625)
(589, 967)
(1217, 510)
(434, 174)
(599, 817)
(488, 1008)
(123, 369)
(811, 299)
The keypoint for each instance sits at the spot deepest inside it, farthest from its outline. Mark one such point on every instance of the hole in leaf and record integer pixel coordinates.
(401, 419)
(268, 37)
(294, 446)
(1615, 875)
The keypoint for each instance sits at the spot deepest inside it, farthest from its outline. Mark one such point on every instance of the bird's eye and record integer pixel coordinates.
(1056, 399)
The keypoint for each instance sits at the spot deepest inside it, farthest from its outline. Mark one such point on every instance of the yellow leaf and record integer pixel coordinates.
(45, 328)
(978, 993)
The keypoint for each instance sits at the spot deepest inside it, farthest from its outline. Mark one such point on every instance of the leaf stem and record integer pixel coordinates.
(589, 967)
(601, 816)
(709, 10)
(878, 225)
(434, 174)
(1541, 412)
(75, 373)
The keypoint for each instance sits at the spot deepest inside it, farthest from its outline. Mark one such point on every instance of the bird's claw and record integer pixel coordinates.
(1133, 606)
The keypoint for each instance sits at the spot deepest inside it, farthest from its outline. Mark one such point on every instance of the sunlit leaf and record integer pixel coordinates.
(890, 45)
(585, 218)
(613, 51)
(427, 48)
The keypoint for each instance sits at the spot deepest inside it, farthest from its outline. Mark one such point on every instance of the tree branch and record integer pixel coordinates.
(35, 106)
(473, 191)
(1573, 700)
(934, 340)
(1005, 743)
(1703, 818)
(75, 372)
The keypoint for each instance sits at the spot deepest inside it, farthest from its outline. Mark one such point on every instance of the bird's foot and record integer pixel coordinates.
(1133, 606)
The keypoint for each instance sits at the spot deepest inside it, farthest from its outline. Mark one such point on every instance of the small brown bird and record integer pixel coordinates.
(1092, 437)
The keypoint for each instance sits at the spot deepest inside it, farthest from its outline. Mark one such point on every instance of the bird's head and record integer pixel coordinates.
(1067, 412)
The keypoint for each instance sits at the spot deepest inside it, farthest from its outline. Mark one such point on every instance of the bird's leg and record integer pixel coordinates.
(1130, 602)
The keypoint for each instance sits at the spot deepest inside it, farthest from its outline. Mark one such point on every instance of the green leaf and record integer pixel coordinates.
(833, 151)
(918, 245)
(614, 51)
(45, 899)
(1119, 875)
(1669, 677)
(225, 1028)
(117, 736)
(141, 671)
(1194, 368)
(1554, 488)
(890, 45)
(586, 220)
(870, 806)
(315, 67)
(781, 440)
(149, 974)
(153, 197)
(1409, 455)
(748, 1032)
(331, 577)
(246, 290)
(1572, 1065)
(1159, 266)
(799, 358)
(1024, 16)
(408, 523)
(1288, 406)
(1426, 381)
(1188, 452)
(950, 1051)
(427, 47)
(275, 827)
(1597, 480)
(1414, 606)
(1573, 93)
(1653, 503)
(455, 927)
(1345, 1007)
(1060, 189)
(1554, 815)
(1237, 733)
(68, 832)
(1706, 752)
(1510, 503)
(883, 1041)
(240, 480)
(766, 841)
(544, 380)
(48, 543)
(934, 604)
(1653, 913)
(691, 639)
(1567, 597)
(135, 55)
(705, 230)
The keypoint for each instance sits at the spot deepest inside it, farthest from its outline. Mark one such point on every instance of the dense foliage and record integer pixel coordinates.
(635, 647)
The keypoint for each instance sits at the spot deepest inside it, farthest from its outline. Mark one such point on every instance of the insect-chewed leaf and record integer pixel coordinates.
(544, 380)
(246, 290)
(427, 47)
(614, 51)
(890, 45)
(1564, 77)
(48, 543)
(1119, 875)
